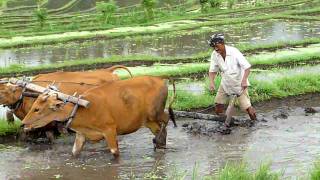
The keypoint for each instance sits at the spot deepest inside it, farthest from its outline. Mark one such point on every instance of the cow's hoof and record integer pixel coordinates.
(158, 145)
(116, 155)
(22, 136)
(224, 130)
(50, 136)
(75, 155)
(161, 147)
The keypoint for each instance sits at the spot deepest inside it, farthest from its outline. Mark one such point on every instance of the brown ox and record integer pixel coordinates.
(116, 108)
(67, 82)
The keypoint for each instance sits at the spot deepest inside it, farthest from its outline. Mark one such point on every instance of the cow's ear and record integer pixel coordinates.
(56, 105)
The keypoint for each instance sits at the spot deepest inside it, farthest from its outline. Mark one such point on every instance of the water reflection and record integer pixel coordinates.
(162, 45)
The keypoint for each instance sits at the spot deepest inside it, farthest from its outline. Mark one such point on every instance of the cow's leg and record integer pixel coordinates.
(50, 136)
(153, 126)
(78, 144)
(160, 134)
(110, 136)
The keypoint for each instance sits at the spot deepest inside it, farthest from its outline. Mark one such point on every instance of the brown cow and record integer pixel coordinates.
(67, 82)
(116, 108)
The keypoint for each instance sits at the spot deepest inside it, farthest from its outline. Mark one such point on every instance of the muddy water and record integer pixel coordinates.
(161, 45)
(290, 144)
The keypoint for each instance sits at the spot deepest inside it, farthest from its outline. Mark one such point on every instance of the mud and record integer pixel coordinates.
(290, 143)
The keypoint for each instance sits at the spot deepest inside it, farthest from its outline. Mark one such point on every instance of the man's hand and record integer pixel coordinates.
(244, 85)
(212, 87)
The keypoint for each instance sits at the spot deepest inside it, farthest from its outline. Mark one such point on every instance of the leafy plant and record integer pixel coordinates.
(149, 6)
(231, 3)
(41, 16)
(74, 25)
(204, 5)
(215, 3)
(106, 11)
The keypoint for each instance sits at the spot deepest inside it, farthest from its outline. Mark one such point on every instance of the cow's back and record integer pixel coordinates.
(126, 104)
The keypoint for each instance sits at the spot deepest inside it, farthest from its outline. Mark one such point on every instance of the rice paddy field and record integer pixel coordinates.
(280, 39)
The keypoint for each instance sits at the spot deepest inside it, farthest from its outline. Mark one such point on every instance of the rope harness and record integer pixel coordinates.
(73, 114)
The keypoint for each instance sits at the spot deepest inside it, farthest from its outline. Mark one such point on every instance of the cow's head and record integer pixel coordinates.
(46, 109)
(9, 93)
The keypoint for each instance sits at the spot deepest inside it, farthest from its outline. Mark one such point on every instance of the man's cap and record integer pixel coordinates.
(216, 39)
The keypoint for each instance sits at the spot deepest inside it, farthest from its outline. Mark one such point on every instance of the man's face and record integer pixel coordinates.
(219, 48)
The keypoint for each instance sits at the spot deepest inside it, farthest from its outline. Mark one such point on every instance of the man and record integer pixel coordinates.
(235, 70)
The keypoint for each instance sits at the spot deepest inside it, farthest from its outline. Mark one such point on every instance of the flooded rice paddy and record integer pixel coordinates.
(85, 5)
(161, 45)
(290, 144)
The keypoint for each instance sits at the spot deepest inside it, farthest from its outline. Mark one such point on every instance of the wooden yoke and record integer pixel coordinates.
(40, 89)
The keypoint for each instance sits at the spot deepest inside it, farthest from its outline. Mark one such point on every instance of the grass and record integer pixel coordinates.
(314, 173)
(236, 171)
(6, 129)
(233, 171)
(241, 172)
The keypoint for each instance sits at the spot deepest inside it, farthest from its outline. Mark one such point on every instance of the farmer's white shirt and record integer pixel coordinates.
(232, 69)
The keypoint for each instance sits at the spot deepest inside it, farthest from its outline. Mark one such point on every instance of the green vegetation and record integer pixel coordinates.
(132, 19)
(241, 172)
(106, 10)
(234, 171)
(41, 15)
(315, 171)
(231, 3)
(8, 129)
(149, 7)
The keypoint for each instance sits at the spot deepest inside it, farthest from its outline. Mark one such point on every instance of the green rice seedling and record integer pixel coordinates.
(8, 129)
(314, 173)
(241, 172)
(234, 172)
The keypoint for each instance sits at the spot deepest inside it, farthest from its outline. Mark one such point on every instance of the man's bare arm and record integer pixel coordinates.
(244, 83)
(212, 76)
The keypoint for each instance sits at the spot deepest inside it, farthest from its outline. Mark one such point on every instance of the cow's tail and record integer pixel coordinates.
(113, 68)
(171, 114)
